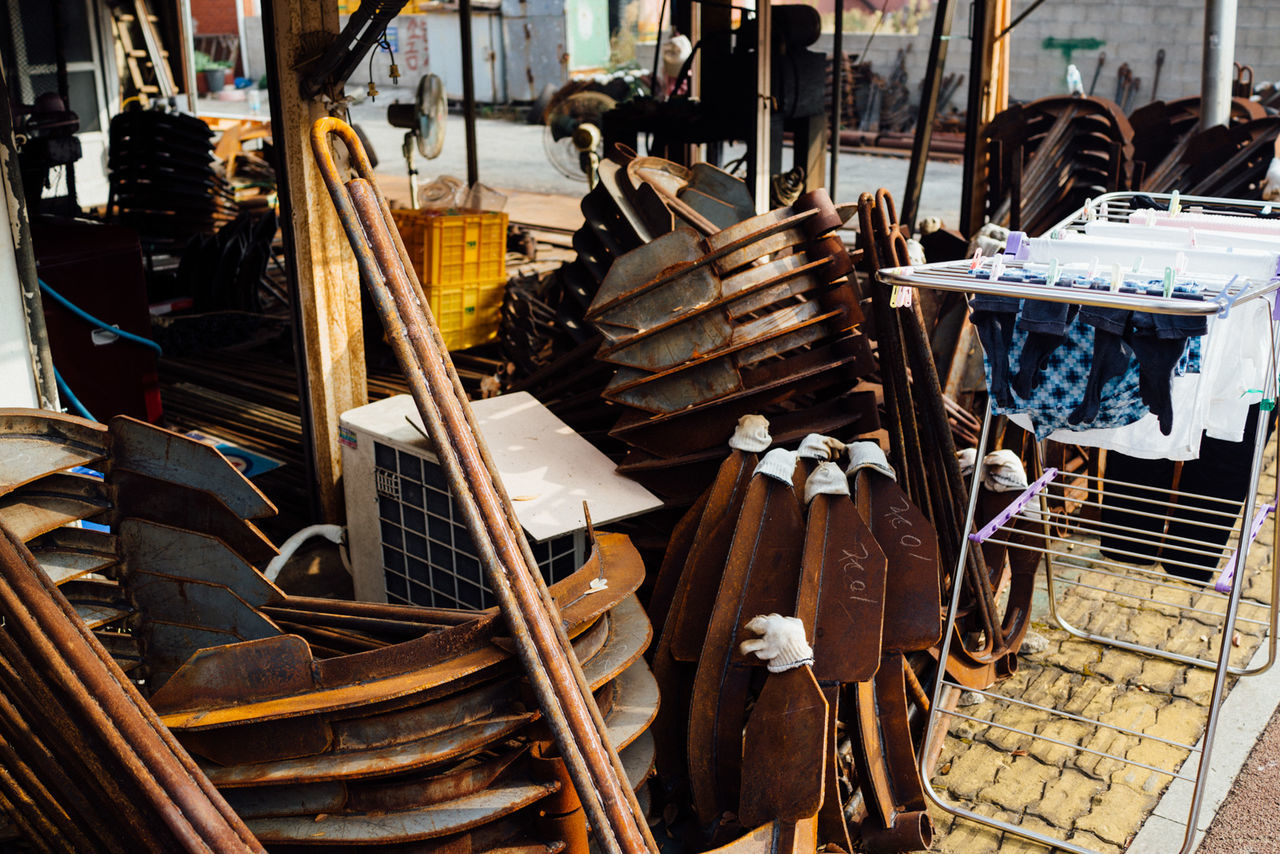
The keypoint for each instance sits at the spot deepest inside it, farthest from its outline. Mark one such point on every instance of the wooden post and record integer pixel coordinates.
(326, 284)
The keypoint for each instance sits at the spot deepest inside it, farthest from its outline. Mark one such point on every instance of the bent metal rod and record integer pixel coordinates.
(555, 675)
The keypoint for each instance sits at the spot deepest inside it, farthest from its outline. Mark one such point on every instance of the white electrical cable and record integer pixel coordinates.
(333, 533)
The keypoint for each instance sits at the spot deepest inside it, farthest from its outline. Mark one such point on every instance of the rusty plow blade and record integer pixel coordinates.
(557, 680)
(760, 577)
(884, 749)
(432, 696)
(86, 764)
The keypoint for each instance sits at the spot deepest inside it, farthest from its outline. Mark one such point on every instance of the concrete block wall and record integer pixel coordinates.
(1134, 32)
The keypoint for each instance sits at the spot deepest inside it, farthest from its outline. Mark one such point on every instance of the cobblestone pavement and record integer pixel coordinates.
(1058, 787)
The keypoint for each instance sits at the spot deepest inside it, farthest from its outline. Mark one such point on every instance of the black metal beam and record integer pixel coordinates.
(928, 110)
(468, 91)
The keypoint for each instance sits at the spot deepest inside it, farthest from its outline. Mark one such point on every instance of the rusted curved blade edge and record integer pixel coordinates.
(165, 455)
(621, 565)
(412, 792)
(405, 826)
(38, 442)
(52, 501)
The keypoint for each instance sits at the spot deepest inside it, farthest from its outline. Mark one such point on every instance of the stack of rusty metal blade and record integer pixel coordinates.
(396, 723)
(1223, 160)
(85, 764)
(562, 690)
(702, 329)
(165, 181)
(545, 333)
(1168, 142)
(779, 534)
(1045, 158)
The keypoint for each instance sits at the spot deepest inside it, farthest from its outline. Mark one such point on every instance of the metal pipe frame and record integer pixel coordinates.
(935, 729)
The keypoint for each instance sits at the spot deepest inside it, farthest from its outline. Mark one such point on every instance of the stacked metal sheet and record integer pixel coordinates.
(1173, 152)
(164, 179)
(1045, 158)
(702, 329)
(323, 722)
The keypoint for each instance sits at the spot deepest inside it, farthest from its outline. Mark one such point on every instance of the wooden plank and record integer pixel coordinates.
(328, 304)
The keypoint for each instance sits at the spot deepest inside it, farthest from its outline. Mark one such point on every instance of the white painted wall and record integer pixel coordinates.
(17, 371)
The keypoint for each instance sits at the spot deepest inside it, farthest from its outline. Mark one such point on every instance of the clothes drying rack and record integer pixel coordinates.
(1064, 540)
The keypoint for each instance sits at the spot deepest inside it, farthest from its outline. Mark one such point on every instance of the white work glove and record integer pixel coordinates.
(815, 446)
(751, 434)
(781, 644)
(779, 464)
(827, 479)
(864, 455)
(1002, 471)
(1271, 186)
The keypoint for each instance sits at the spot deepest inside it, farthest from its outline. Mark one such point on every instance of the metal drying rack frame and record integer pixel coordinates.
(1065, 570)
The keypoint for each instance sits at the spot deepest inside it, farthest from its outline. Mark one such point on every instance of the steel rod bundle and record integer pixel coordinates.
(556, 677)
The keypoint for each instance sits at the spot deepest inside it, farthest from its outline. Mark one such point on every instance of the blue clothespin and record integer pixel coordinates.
(1230, 300)
(1054, 271)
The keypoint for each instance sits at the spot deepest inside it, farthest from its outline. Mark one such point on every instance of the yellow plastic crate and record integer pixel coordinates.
(461, 259)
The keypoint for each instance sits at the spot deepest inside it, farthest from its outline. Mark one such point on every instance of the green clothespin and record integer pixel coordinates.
(1168, 282)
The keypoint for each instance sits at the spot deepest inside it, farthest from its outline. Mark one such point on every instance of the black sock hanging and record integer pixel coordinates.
(994, 318)
(1110, 357)
(1158, 341)
(1046, 326)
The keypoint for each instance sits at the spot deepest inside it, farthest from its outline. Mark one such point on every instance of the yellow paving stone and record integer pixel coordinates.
(1086, 693)
(1117, 814)
(1180, 720)
(1104, 740)
(1019, 784)
(1188, 637)
(1118, 665)
(1078, 656)
(971, 770)
(969, 837)
(1061, 730)
(1048, 687)
(1132, 709)
(1150, 626)
(1161, 675)
(1091, 840)
(1197, 687)
(1100, 702)
(1066, 798)
(1157, 754)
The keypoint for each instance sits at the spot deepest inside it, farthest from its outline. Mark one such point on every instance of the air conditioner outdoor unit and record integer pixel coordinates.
(408, 540)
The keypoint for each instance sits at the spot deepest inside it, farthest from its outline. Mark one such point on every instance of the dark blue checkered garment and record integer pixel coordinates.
(1063, 381)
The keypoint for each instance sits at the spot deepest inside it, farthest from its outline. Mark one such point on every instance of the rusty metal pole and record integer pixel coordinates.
(540, 640)
(468, 90)
(762, 153)
(837, 97)
(980, 49)
(1217, 71)
(928, 111)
